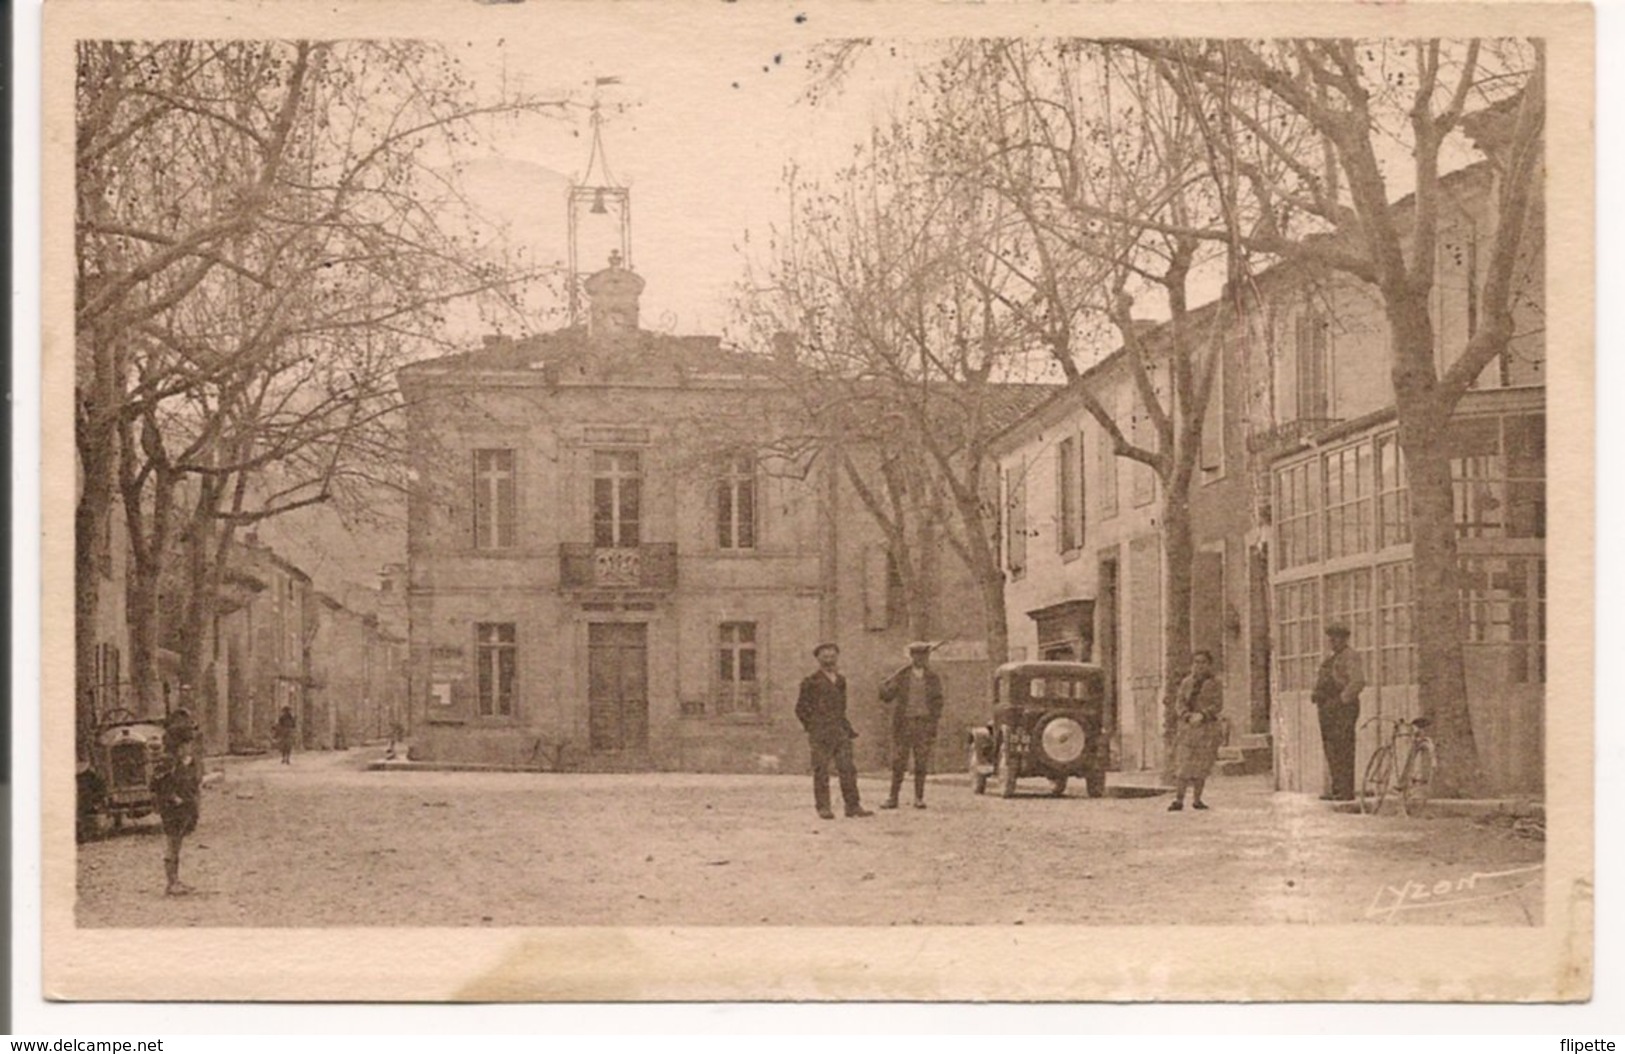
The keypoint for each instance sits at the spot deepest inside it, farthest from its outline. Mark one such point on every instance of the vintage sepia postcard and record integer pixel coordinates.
(671, 502)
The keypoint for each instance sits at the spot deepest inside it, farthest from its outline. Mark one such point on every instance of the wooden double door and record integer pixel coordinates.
(618, 686)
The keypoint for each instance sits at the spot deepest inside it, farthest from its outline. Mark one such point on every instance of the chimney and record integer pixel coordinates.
(613, 294)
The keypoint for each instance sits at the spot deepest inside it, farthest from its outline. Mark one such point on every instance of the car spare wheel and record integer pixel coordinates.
(1061, 740)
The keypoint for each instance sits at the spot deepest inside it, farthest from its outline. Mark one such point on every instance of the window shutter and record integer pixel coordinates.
(1212, 448)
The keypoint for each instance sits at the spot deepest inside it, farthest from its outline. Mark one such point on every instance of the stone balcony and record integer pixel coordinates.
(1270, 442)
(651, 567)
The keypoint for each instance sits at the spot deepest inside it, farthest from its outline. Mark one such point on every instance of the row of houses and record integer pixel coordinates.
(335, 657)
(608, 568)
(1301, 519)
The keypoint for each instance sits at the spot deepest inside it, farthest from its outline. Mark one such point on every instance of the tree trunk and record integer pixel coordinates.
(95, 505)
(1178, 559)
(1436, 571)
(97, 441)
(205, 560)
(142, 610)
(991, 582)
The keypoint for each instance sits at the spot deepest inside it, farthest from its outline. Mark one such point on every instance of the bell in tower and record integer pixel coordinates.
(600, 217)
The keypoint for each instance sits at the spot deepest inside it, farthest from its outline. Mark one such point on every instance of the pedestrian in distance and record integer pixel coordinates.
(177, 786)
(1337, 696)
(821, 709)
(915, 695)
(1199, 704)
(285, 724)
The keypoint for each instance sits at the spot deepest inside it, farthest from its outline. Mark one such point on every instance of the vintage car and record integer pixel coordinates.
(117, 783)
(1047, 722)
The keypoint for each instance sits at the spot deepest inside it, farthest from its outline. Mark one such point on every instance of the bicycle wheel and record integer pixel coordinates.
(1379, 776)
(1416, 782)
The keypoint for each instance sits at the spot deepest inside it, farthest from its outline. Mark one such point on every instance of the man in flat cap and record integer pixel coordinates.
(1337, 696)
(915, 695)
(821, 709)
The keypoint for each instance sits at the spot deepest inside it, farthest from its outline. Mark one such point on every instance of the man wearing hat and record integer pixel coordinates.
(821, 709)
(1337, 696)
(915, 694)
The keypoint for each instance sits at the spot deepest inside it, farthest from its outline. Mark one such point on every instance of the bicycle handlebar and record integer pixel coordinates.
(1416, 724)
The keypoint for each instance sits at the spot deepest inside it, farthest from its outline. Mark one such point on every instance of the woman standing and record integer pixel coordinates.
(1199, 704)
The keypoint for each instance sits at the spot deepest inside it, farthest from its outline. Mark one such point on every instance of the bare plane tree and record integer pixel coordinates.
(266, 230)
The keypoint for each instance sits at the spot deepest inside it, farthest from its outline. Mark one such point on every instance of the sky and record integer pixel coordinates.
(700, 128)
(700, 134)
(701, 119)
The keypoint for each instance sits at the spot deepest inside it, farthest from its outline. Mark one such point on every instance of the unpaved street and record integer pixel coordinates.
(325, 843)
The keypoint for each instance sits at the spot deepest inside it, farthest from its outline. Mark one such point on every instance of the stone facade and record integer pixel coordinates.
(1299, 517)
(616, 561)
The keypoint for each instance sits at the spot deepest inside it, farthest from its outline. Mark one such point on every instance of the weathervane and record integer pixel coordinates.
(597, 195)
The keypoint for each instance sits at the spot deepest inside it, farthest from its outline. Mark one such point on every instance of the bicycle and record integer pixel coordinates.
(1412, 780)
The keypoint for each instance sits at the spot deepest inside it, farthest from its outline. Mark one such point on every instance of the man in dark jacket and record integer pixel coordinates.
(915, 693)
(1336, 695)
(177, 787)
(821, 709)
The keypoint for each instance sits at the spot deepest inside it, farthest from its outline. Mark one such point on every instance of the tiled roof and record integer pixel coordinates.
(703, 355)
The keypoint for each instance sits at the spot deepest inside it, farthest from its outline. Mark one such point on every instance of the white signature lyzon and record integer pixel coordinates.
(1446, 892)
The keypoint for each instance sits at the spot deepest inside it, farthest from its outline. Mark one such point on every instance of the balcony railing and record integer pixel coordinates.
(643, 567)
(1286, 435)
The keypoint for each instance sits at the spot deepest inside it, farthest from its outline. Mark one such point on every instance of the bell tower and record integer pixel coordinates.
(612, 295)
(600, 215)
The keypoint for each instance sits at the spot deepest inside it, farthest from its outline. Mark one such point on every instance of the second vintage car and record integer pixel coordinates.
(1048, 721)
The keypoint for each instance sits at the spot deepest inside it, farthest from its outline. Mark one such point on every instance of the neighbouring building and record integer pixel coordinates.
(1335, 513)
(329, 655)
(615, 561)
(1300, 517)
(263, 647)
(1083, 554)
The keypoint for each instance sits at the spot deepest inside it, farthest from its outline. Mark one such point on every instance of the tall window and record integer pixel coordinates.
(1313, 401)
(1504, 601)
(1015, 531)
(736, 504)
(1476, 471)
(1498, 466)
(1106, 455)
(496, 653)
(1297, 615)
(107, 692)
(1297, 514)
(616, 499)
(1393, 493)
(1346, 598)
(493, 499)
(1348, 500)
(736, 669)
(1143, 478)
(1524, 444)
(1396, 630)
(1069, 493)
